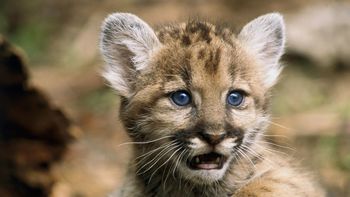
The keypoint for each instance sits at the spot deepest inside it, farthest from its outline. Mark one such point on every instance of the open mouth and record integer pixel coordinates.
(210, 161)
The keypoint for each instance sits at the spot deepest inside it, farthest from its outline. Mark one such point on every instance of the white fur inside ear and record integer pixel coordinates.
(264, 37)
(126, 44)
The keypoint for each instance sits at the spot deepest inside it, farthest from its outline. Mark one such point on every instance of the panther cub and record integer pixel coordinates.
(194, 101)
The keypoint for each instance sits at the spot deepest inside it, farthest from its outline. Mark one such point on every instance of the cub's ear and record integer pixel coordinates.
(126, 44)
(264, 38)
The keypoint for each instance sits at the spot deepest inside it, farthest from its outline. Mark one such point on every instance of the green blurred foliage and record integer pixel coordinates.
(33, 24)
(22, 24)
(98, 101)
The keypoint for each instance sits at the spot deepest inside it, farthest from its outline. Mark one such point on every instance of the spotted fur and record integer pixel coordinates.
(146, 67)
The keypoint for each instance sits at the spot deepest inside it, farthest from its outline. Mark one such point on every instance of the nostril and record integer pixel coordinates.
(213, 139)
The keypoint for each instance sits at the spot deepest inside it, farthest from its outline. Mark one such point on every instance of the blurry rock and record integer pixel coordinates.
(12, 75)
(33, 134)
(321, 34)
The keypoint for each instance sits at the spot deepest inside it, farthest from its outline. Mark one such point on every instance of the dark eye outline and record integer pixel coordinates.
(240, 102)
(173, 99)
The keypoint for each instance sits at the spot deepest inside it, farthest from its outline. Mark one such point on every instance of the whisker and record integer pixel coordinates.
(172, 166)
(243, 165)
(154, 163)
(155, 157)
(266, 148)
(281, 136)
(277, 145)
(271, 151)
(151, 152)
(279, 125)
(167, 174)
(147, 142)
(178, 161)
(254, 153)
(178, 148)
(247, 157)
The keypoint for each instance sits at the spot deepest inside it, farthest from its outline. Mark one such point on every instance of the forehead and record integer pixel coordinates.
(201, 55)
(194, 32)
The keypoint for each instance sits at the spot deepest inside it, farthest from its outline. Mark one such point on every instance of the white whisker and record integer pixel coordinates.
(156, 156)
(277, 145)
(147, 142)
(178, 161)
(178, 148)
(154, 163)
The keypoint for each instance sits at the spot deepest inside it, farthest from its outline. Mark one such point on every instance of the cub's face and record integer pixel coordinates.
(194, 96)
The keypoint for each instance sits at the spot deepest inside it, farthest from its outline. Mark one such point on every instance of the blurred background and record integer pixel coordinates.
(59, 121)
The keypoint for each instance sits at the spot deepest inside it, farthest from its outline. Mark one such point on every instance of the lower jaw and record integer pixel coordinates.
(201, 176)
(206, 167)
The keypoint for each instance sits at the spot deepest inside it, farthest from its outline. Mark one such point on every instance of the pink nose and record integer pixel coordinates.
(212, 139)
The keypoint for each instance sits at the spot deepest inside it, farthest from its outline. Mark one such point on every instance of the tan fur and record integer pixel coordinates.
(209, 62)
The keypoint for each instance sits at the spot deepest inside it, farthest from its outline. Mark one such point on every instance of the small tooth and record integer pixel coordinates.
(218, 159)
(197, 160)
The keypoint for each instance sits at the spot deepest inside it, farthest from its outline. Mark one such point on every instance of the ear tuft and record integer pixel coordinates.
(126, 44)
(264, 37)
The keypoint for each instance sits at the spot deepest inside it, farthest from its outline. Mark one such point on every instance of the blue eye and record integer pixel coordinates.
(235, 98)
(181, 98)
